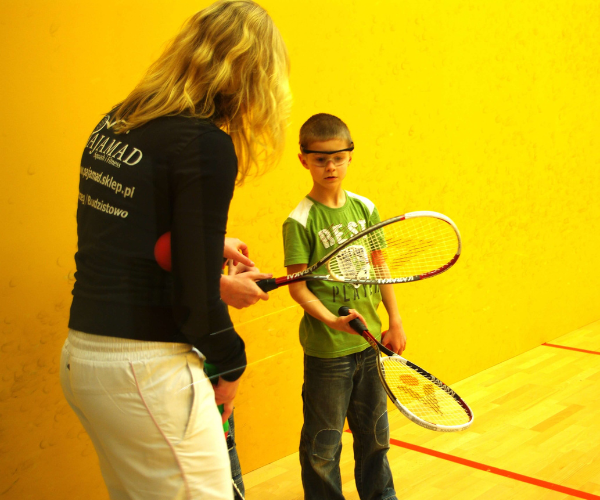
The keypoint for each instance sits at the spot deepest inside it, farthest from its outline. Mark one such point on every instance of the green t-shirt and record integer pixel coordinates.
(310, 232)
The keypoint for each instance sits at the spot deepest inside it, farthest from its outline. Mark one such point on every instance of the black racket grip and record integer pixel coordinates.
(267, 285)
(356, 323)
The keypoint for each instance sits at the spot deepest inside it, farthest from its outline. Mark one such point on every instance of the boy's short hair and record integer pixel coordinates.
(323, 127)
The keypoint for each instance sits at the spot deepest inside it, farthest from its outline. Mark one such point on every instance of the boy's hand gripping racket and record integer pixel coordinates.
(420, 396)
(410, 247)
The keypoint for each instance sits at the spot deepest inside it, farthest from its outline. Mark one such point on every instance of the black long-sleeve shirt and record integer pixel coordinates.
(172, 174)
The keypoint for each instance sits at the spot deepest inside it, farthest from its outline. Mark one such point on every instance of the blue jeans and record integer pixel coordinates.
(236, 470)
(333, 389)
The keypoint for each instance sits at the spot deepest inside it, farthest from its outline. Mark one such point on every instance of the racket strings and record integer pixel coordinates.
(421, 396)
(418, 245)
(409, 248)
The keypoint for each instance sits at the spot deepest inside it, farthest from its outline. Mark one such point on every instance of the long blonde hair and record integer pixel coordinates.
(228, 64)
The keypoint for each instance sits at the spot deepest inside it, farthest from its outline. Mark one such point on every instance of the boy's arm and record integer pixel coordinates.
(394, 338)
(313, 306)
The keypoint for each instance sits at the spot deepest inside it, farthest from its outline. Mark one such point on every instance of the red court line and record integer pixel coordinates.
(571, 348)
(495, 470)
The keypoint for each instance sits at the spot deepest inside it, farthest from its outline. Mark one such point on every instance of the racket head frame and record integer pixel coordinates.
(380, 348)
(414, 418)
(306, 275)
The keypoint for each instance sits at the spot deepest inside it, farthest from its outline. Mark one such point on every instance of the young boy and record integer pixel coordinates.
(340, 374)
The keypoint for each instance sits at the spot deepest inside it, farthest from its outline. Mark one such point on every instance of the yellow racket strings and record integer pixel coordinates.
(421, 396)
(404, 249)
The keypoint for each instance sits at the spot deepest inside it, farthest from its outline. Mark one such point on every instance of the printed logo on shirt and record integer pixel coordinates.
(105, 121)
(100, 205)
(109, 150)
(108, 181)
(339, 233)
(112, 151)
(352, 263)
(346, 293)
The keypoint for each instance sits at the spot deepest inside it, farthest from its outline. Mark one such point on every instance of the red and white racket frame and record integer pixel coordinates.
(306, 275)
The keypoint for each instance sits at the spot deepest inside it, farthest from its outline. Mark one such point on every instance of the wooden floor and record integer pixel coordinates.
(536, 435)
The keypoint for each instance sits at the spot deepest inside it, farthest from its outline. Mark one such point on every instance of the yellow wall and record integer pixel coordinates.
(486, 111)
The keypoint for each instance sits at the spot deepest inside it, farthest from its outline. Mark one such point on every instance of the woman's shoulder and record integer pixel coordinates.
(180, 123)
(173, 134)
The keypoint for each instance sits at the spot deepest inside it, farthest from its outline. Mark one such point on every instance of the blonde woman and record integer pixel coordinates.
(210, 110)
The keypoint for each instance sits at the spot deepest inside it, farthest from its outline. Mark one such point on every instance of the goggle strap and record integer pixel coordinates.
(308, 151)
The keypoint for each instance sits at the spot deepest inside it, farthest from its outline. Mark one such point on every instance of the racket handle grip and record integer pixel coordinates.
(356, 323)
(267, 285)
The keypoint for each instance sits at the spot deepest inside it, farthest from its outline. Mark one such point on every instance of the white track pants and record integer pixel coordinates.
(151, 414)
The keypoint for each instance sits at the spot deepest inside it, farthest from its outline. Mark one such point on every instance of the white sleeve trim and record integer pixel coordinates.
(368, 203)
(300, 213)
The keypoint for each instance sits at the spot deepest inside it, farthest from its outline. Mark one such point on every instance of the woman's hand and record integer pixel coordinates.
(225, 393)
(237, 251)
(241, 290)
(240, 268)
